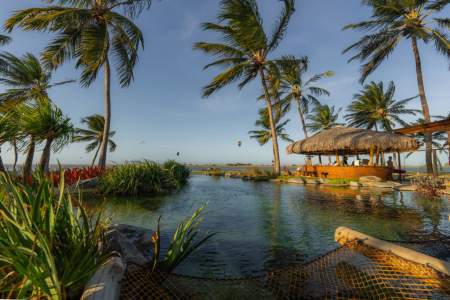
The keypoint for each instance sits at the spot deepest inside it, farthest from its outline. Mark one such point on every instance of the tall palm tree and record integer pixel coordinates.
(296, 88)
(373, 107)
(244, 51)
(7, 132)
(26, 80)
(94, 135)
(263, 135)
(323, 117)
(93, 33)
(392, 22)
(54, 128)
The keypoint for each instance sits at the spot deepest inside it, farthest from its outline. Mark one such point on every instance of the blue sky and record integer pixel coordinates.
(163, 112)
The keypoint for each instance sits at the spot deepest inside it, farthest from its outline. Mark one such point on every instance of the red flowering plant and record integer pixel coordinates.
(72, 176)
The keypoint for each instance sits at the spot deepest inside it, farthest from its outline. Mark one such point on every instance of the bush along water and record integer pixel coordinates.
(49, 245)
(143, 178)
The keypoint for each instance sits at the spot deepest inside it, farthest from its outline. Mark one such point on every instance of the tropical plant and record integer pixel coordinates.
(26, 80)
(244, 52)
(296, 88)
(323, 117)
(392, 22)
(447, 143)
(93, 33)
(48, 249)
(94, 135)
(373, 107)
(263, 135)
(139, 178)
(183, 243)
(4, 39)
(178, 171)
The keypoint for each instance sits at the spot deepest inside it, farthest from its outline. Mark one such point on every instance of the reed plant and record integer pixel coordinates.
(49, 244)
(143, 178)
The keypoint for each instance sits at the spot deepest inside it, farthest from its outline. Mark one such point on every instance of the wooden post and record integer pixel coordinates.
(399, 159)
(320, 159)
(338, 160)
(371, 157)
(377, 160)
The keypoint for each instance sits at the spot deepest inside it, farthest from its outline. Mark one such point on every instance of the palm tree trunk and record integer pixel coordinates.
(302, 117)
(2, 166)
(424, 103)
(16, 155)
(29, 160)
(107, 91)
(45, 157)
(95, 156)
(276, 166)
(448, 146)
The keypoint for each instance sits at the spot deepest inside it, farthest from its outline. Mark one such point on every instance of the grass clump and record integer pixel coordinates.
(48, 248)
(143, 178)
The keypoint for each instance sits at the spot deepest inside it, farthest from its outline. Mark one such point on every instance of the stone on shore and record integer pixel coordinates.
(406, 187)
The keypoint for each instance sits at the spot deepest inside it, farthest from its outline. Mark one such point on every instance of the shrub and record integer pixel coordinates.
(178, 171)
(141, 178)
(48, 248)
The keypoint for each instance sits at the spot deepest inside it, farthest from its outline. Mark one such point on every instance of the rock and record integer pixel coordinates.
(88, 183)
(380, 184)
(133, 243)
(296, 180)
(369, 179)
(354, 184)
(406, 187)
(312, 181)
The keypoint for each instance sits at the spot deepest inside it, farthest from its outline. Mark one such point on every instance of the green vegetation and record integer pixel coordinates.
(392, 22)
(244, 52)
(323, 117)
(143, 178)
(93, 134)
(48, 247)
(183, 243)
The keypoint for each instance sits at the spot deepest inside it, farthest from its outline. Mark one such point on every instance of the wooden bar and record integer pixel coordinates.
(349, 172)
(443, 125)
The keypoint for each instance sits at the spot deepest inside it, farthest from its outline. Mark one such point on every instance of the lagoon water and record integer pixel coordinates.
(265, 225)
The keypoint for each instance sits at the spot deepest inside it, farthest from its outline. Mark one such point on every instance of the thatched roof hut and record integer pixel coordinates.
(347, 141)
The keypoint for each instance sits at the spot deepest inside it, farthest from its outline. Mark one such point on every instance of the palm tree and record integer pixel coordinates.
(244, 51)
(303, 92)
(7, 132)
(93, 33)
(4, 39)
(323, 117)
(263, 135)
(392, 22)
(447, 143)
(373, 107)
(26, 80)
(94, 135)
(54, 128)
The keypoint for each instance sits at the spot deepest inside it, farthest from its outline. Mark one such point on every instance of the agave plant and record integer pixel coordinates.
(48, 248)
(183, 243)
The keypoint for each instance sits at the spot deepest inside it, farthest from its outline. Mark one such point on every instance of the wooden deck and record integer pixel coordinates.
(350, 172)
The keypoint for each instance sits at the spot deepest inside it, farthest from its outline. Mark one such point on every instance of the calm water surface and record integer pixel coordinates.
(267, 225)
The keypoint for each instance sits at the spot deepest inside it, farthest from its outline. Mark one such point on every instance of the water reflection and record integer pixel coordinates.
(267, 225)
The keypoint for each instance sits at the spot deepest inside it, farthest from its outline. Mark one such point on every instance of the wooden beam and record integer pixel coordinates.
(443, 125)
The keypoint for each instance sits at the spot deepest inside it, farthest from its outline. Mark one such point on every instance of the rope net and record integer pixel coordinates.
(352, 271)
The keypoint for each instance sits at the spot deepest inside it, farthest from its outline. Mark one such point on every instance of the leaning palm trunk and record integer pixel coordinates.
(276, 165)
(45, 157)
(16, 155)
(29, 160)
(104, 143)
(424, 103)
(95, 156)
(302, 117)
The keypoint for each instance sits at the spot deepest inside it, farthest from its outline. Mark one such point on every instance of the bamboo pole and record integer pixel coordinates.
(371, 157)
(399, 158)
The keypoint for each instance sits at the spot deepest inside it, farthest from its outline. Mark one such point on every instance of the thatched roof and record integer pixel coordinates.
(348, 140)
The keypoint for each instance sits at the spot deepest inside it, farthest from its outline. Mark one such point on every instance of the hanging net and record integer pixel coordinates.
(352, 271)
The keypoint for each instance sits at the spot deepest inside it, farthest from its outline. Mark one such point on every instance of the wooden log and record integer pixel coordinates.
(344, 234)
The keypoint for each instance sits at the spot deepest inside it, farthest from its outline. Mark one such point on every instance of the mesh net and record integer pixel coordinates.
(353, 271)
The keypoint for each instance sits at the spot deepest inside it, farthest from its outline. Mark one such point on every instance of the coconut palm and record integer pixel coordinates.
(323, 117)
(392, 22)
(94, 33)
(373, 107)
(8, 130)
(303, 92)
(447, 143)
(4, 39)
(263, 135)
(26, 80)
(94, 135)
(54, 128)
(244, 51)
